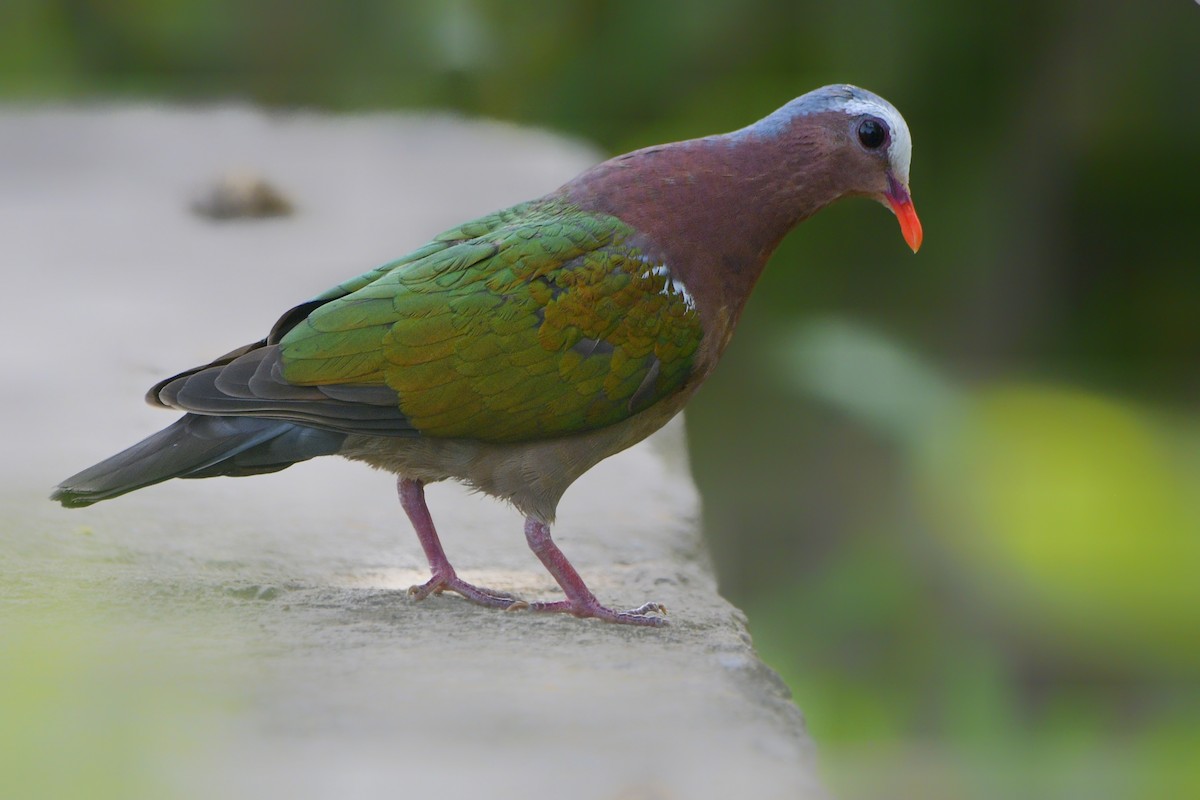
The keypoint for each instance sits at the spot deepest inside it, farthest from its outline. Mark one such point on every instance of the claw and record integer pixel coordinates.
(418, 593)
(649, 608)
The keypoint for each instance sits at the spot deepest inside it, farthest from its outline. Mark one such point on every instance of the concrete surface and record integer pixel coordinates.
(252, 637)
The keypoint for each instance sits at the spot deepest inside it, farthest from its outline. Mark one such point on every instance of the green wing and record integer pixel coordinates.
(538, 321)
(469, 230)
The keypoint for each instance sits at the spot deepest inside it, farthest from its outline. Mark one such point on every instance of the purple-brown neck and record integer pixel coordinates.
(714, 209)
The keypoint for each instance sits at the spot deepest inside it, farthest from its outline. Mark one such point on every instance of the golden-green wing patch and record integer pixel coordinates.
(536, 322)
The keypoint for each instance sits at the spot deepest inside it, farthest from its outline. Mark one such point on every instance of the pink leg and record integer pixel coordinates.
(412, 500)
(580, 600)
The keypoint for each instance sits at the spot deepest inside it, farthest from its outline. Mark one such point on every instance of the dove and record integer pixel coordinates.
(518, 350)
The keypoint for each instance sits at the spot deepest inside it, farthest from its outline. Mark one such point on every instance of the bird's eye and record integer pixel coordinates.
(872, 133)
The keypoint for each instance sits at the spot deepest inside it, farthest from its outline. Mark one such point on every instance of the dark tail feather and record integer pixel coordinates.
(198, 446)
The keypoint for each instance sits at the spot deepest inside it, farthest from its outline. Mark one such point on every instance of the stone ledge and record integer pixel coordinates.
(272, 608)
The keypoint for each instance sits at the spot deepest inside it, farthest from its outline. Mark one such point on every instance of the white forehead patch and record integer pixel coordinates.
(900, 147)
(849, 100)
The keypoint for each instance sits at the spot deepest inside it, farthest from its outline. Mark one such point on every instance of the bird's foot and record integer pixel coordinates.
(476, 594)
(652, 614)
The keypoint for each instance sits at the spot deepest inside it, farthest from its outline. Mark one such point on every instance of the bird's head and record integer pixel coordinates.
(864, 138)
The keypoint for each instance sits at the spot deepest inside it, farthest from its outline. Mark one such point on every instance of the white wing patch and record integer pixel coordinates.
(672, 285)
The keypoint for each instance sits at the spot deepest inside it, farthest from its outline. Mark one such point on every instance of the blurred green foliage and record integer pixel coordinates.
(91, 710)
(995, 602)
(1057, 533)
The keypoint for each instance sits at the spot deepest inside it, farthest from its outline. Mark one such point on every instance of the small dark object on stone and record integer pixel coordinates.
(241, 195)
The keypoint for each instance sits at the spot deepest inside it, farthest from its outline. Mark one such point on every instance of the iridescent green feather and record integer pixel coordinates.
(537, 321)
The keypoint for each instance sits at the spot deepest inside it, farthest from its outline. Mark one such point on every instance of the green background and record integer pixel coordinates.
(957, 493)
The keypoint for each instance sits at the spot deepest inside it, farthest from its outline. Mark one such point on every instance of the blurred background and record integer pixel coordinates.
(958, 494)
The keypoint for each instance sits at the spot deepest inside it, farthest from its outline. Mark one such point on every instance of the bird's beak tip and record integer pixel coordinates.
(900, 201)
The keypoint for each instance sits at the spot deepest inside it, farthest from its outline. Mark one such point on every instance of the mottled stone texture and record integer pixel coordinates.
(272, 609)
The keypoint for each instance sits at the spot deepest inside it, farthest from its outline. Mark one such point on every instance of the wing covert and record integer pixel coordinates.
(545, 323)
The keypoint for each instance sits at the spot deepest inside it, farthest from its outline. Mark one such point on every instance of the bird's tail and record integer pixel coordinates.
(199, 446)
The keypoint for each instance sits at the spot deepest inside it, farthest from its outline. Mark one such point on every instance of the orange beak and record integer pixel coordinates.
(900, 201)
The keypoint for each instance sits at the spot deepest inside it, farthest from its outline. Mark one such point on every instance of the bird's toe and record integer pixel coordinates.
(650, 614)
(476, 594)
